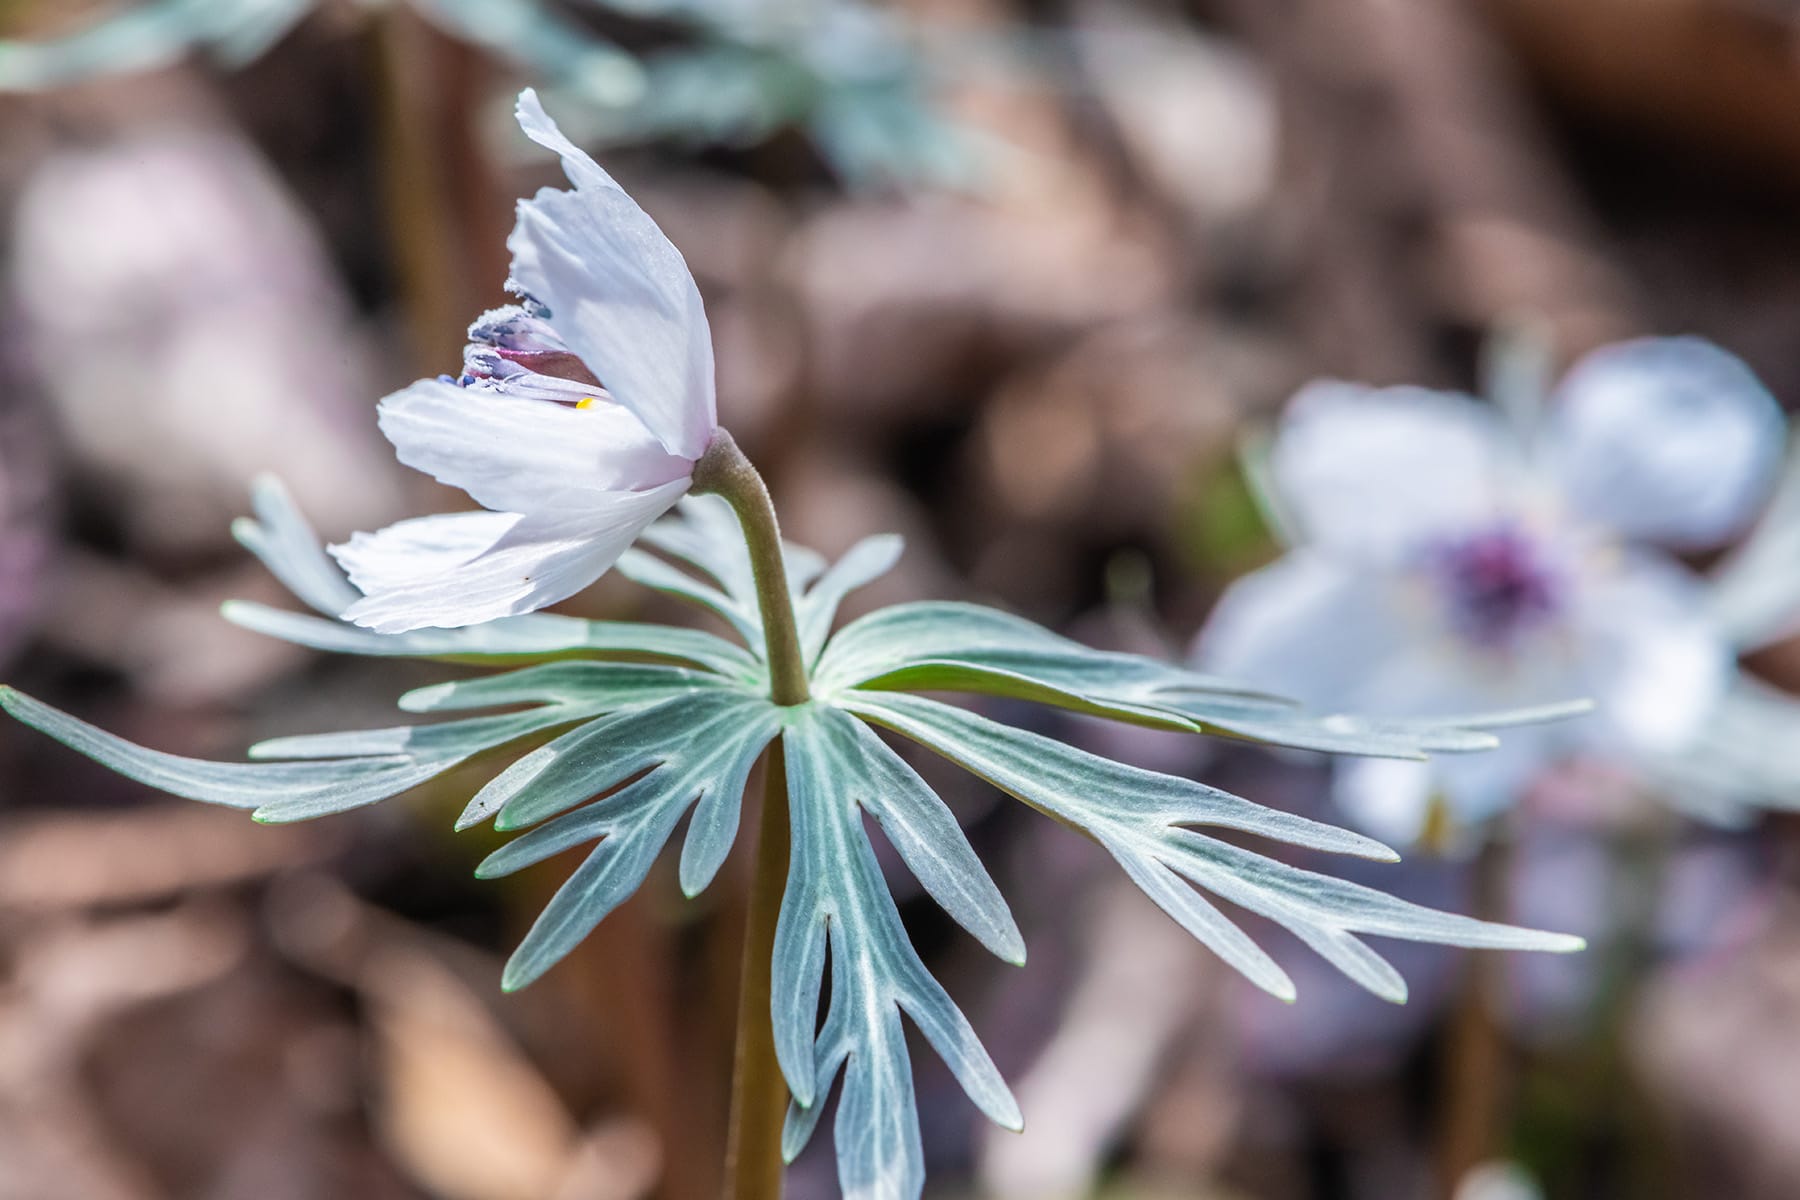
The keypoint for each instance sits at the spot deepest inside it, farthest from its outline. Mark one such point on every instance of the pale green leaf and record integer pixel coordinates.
(280, 791)
(689, 753)
(836, 894)
(283, 539)
(598, 686)
(861, 565)
(533, 637)
(704, 534)
(1143, 819)
(649, 571)
(941, 646)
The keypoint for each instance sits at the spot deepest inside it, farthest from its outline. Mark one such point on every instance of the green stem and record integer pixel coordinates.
(753, 1165)
(724, 470)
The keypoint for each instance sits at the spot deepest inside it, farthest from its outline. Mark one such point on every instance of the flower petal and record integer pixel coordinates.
(1650, 656)
(618, 292)
(1306, 626)
(1667, 439)
(541, 559)
(1375, 473)
(1390, 799)
(419, 548)
(515, 454)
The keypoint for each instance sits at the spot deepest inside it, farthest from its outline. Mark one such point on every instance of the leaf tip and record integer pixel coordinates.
(518, 976)
(424, 699)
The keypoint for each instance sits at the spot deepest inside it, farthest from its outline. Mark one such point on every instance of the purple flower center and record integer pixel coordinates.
(1496, 586)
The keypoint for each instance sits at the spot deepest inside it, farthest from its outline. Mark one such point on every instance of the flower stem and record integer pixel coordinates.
(753, 1164)
(724, 470)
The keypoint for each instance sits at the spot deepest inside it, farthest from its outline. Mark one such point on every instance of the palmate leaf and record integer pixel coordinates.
(692, 752)
(1142, 818)
(837, 769)
(944, 646)
(335, 772)
(654, 725)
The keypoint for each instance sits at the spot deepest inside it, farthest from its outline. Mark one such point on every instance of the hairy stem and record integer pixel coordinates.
(753, 1165)
(724, 470)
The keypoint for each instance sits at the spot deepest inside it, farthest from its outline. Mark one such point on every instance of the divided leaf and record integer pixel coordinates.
(334, 772)
(667, 723)
(1142, 819)
(943, 646)
(693, 751)
(703, 533)
(837, 897)
(350, 771)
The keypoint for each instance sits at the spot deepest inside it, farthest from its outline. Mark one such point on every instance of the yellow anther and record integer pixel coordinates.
(588, 403)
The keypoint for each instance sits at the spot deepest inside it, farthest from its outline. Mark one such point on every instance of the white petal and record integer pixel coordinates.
(515, 454)
(1387, 798)
(618, 292)
(541, 559)
(1306, 626)
(577, 163)
(1670, 440)
(423, 547)
(1391, 799)
(1656, 665)
(1375, 473)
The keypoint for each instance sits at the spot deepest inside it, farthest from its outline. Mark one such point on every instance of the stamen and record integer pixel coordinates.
(1496, 585)
(589, 402)
(551, 362)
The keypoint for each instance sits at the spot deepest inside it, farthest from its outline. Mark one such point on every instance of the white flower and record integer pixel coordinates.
(577, 419)
(1448, 561)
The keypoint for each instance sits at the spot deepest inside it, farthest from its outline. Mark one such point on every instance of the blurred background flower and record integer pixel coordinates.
(1453, 557)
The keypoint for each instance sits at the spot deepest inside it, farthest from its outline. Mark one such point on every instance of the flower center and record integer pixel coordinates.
(1495, 586)
(514, 350)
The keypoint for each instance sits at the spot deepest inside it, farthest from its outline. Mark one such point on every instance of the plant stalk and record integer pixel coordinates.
(753, 1164)
(759, 1094)
(725, 471)
(1477, 1073)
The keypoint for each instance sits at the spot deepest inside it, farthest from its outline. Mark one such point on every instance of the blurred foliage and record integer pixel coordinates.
(846, 74)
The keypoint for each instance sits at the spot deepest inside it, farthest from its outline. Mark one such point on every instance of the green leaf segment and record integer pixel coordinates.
(653, 725)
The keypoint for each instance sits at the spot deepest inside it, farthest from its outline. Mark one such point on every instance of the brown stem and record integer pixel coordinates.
(1476, 1071)
(753, 1164)
(759, 1094)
